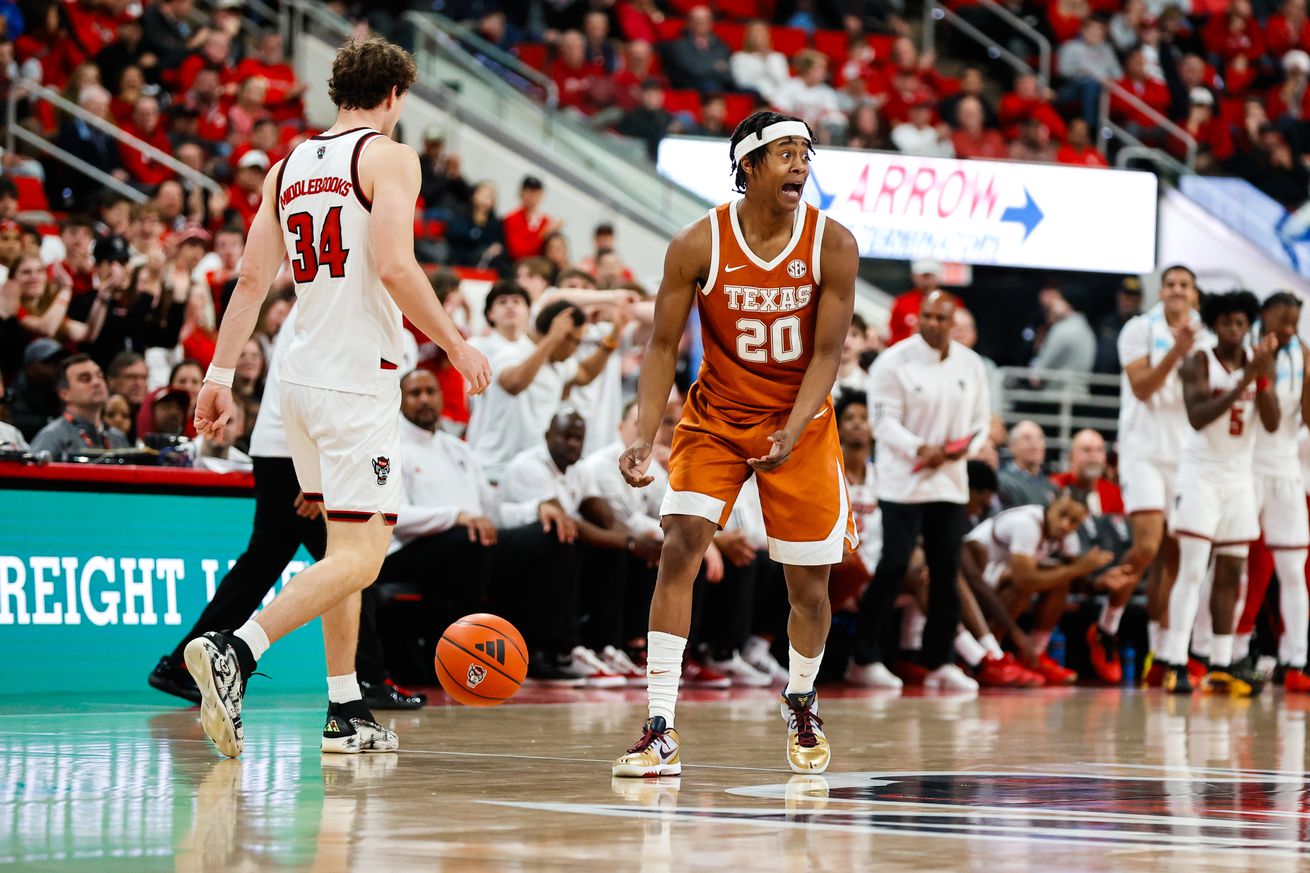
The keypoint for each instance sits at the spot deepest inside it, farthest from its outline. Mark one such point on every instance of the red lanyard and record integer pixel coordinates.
(104, 440)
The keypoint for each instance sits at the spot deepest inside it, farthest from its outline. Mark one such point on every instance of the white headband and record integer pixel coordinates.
(777, 130)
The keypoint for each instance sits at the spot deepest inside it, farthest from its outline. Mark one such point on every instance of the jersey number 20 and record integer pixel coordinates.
(783, 340)
(329, 253)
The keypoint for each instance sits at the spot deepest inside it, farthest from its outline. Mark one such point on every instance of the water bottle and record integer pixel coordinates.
(1128, 658)
(1055, 647)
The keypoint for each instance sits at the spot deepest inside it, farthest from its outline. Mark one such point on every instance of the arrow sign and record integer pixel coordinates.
(825, 199)
(1029, 214)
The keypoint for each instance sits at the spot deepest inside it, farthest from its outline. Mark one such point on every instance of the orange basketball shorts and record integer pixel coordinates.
(807, 513)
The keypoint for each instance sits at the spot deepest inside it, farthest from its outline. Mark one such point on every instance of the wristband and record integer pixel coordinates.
(609, 344)
(221, 375)
(1261, 385)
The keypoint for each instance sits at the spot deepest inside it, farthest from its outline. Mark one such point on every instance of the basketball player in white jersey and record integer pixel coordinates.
(1280, 500)
(1214, 506)
(341, 205)
(1152, 426)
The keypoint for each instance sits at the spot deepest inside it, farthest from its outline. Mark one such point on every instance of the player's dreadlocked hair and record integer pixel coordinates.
(1215, 305)
(753, 124)
(1279, 298)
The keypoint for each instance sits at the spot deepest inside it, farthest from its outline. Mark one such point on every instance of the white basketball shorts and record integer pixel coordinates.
(346, 450)
(1283, 516)
(1218, 508)
(1147, 486)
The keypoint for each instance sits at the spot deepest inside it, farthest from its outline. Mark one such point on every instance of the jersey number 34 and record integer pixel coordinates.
(328, 253)
(757, 342)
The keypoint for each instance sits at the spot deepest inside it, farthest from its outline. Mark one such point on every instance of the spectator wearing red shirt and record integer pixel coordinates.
(575, 76)
(1065, 18)
(1235, 34)
(1150, 91)
(206, 99)
(1028, 100)
(284, 98)
(246, 190)
(971, 139)
(904, 320)
(1287, 29)
(47, 41)
(146, 125)
(638, 67)
(1087, 472)
(526, 228)
(1292, 97)
(638, 19)
(94, 23)
(1078, 150)
(214, 53)
(249, 108)
(1213, 139)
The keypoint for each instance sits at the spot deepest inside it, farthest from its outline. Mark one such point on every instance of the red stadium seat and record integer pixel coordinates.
(31, 194)
(744, 9)
(882, 45)
(1232, 110)
(789, 40)
(533, 54)
(685, 6)
(833, 44)
(670, 28)
(736, 107)
(732, 33)
(676, 100)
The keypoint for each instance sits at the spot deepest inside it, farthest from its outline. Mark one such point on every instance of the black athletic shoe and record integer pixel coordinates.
(350, 729)
(388, 695)
(545, 670)
(1237, 680)
(171, 677)
(1176, 679)
(215, 665)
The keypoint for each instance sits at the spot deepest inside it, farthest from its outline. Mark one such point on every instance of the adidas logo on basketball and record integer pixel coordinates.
(494, 648)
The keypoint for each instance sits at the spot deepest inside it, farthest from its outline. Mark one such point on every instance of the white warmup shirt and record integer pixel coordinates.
(601, 400)
(638, 508)
(1276, 453)
(532, 478)
(868, 517)
(919, 398)
(1153, 430)
(440, 478)
(1019, 531)
(505, 424)
(493, 344)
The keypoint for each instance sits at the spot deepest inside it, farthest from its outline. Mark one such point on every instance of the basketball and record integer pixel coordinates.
(481, 660)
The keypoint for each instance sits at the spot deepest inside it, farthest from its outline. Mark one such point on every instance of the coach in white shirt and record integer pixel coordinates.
(450, 538)
(528, 387)
(928, 392)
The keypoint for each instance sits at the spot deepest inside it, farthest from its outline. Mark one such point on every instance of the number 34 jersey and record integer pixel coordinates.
(348, 330)
(758, 317)
(1226, 445)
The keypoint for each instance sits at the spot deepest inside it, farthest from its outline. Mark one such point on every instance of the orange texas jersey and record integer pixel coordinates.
(758, 318)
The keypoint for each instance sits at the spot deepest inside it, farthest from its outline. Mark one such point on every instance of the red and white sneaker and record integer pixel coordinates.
(585, 663)
(1053, 673)
(909, 672)
(1296, 681)
(697, 675)
(617, 662)
(1000, 673)
(1104, 651)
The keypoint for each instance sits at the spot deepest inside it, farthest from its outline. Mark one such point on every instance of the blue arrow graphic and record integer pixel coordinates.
(825, 199)
(1029, 214)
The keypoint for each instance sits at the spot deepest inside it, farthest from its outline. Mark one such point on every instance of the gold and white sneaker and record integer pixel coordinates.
(807, 747)
(655, 754)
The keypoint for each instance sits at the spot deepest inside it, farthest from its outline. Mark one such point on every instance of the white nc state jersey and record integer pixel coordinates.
(1154, 429)
(1276, 453)
(1228, 442)
(348, 330)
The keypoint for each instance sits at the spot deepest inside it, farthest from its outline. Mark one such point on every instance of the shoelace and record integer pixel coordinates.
(647, 738)
(806, 722)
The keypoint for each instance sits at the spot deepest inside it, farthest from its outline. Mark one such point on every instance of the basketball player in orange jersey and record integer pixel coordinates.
(342, 205)
(774, 281)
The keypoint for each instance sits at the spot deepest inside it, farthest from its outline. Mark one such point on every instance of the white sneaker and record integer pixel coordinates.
(873, 675)
(617, 661)
(757, 653)
(740, 672)
(586, 664)
(949, 677)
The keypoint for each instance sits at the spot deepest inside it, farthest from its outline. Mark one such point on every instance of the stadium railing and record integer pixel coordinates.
(934, 12)
(1109, 89)
(1063, 402)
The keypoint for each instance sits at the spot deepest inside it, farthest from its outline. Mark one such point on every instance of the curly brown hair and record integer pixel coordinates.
(365, 71)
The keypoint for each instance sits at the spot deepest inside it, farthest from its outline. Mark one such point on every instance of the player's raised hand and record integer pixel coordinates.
(213, 409)
(473, 366)
(634, 462)
(1265, 352)
(1184, 338)
(783, 442)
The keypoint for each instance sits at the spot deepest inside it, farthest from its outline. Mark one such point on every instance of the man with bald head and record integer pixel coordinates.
(1023, 480)
(931, 410)
(1087, 463)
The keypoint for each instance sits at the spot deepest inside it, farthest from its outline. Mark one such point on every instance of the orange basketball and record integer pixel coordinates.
(481, 660)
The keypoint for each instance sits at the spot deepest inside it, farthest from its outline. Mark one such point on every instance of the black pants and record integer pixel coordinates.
(730, 607)
(614, 597)
(942, 526)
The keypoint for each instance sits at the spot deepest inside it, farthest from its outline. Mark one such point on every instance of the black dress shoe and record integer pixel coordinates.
(170, 677)
(388, 695)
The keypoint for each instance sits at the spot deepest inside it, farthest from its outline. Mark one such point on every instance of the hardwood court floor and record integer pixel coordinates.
(1054, 780)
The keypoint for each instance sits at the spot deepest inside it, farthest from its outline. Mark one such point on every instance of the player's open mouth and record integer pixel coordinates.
(793, 189)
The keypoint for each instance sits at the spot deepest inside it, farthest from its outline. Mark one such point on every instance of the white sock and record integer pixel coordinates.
(1185, 598)
(1040, 639)
(992, 646)
(1294, 604)
(343, 689)
(1161, 650)
(801, 670)
(1153, 636)
(253, 636)
(969, 649)
(663, 670)
(1241, 646)
(913, 621)
(1221, 650)
(1110, 617)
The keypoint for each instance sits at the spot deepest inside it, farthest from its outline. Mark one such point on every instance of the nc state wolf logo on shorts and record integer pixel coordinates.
(382, 469)
(477, 673)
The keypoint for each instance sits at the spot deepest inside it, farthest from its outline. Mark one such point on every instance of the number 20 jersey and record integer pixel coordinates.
(348, 329)
(1226, 445)
(758, 318)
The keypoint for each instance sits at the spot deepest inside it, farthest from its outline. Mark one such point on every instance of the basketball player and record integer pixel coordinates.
(1152, 426)
(774, 280)
(342, 205)
(1214, 506)
(1279, 495)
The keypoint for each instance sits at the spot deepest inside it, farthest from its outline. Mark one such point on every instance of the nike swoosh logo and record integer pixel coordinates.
(734, 269)
(658, 672)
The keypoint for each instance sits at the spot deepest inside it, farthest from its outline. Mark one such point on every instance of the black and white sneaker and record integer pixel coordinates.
(350, 729)
(213, 664)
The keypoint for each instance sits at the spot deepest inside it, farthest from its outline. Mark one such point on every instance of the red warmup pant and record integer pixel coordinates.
(1259, 573)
